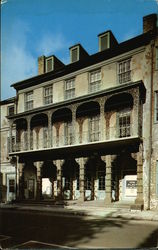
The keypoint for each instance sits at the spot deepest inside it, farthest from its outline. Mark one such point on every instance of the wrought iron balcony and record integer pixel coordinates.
(112, 133)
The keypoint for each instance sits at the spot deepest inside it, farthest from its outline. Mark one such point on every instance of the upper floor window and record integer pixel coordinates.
(48, 95)
(156, 106)
(94, 130)
(49, 64)
(70, 88)
(11, 110)
(124, 71)
(68, 133)
(95, 80)
(124, 123)
(29, 100)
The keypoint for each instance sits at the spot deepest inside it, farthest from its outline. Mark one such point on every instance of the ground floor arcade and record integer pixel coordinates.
(96, 177)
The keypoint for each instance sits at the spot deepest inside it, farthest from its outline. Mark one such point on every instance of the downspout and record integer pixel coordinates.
(151, 121)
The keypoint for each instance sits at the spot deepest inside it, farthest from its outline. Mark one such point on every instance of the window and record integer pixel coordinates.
(49, 64)
(11, 186)
(95, 80)
(74, 55)
(29, 100)
(124, 71)
(124, 124)
(104, 42)
(70, 89)
(156, 106)
(11, 110)
(156, 64)
(94, 131)
(68, 133)
(48, 95)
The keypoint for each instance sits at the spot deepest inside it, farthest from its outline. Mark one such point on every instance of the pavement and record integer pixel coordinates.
(85, 209)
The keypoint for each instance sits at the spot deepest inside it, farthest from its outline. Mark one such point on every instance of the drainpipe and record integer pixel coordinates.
(151, 121)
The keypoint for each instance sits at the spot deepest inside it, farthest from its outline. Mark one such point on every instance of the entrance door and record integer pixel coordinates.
(31, 188)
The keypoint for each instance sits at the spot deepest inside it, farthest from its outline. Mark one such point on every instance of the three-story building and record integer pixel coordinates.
(89, 130)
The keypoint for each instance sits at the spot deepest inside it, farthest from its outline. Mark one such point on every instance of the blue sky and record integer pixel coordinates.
(30, 28)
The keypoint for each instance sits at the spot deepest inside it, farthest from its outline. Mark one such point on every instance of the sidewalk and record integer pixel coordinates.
(81, 210)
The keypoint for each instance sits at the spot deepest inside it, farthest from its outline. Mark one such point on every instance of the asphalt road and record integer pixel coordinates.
(44, 230)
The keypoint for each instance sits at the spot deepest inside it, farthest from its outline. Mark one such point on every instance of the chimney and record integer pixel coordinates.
(149, 23)
(41, 65)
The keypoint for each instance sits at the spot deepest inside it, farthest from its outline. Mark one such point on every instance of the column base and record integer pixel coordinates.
(139, 204)
(108, 201)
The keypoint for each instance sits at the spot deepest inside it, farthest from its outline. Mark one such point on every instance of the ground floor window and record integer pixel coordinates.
(67, 183)
(157, 178)
(88, 183)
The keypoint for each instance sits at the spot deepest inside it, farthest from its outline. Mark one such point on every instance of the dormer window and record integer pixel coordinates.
(74, 54)
(49, 64)
(104, 41)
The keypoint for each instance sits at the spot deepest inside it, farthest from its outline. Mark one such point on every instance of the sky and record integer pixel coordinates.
(31, 28)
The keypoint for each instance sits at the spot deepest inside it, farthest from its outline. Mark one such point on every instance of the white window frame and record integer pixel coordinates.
(48, 97)
(156, 107)
(28, 101)
(94, 128)
(71, 52)
(95, 82)
(108, 41)
(69, 88)
(124, 72)
(46, 66)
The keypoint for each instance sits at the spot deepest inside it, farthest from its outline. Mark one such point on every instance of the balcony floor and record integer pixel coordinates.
(110, 147)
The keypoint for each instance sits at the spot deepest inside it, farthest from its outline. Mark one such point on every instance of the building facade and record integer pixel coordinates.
(88, 130)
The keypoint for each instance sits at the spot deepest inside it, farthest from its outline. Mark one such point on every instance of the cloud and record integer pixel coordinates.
(50, 44)
(130, 34)
(17, 61)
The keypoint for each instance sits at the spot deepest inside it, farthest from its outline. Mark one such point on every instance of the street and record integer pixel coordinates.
(28, 229)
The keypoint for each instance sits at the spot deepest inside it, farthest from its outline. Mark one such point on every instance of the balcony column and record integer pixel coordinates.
(39, 181)
(28, 133)
(102, 119)
(10, 136)
(49, 129)
(73, 109)
(82, 179)
(21, 181)
(108, 198)
(135, 122)
(59, 179)
(139, 200)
